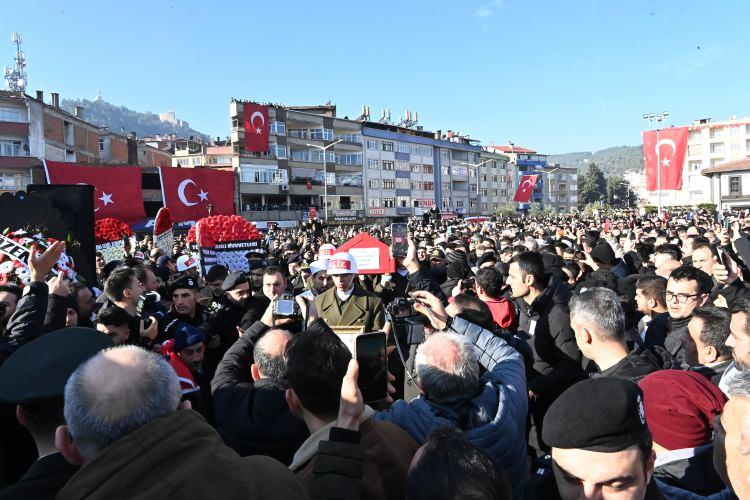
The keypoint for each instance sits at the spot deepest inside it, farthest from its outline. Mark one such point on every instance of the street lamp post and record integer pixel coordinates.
(658, 118)
(325, 173)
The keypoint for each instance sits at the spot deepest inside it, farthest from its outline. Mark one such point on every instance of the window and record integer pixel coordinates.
(717, 148)
(389, 202)
(415, 150)
(427, 169)
(446, 187)
(416, 168)
(263, 175)
(483, 192)
(278, 128)
(101, 144)
(403, 201)
(445, 171)
(445, 156)
(426, 151)
(387, 145)
(373, 184)
(416, 185)
(349, 159)
(428, 185)
(735, 185)
(320, 134)
(402, 165)
(734, 130)
(403, 148)
(695, 166)
(472, 203)
(403, 184)
(735, 146)
(8, 114)
(694, 150)
(373, 163)
(10, 148)
(459, 203)
(373, 202)
(372, 144)
(388, 165)
(277, 151)
(446, 202)
(472, 188)
(389, 183)
(14, 181)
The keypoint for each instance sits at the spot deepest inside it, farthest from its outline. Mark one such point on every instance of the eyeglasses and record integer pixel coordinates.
(682, 298)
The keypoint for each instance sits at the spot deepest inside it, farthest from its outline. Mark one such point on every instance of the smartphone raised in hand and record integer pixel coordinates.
(399, 243)
(370, 351)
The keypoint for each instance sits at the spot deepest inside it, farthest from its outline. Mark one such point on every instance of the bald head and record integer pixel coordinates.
(448, 367)
(116, 392)
(268, 354)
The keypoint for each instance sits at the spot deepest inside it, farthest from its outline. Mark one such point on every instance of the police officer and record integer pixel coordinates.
(347, 303)
(185, 308)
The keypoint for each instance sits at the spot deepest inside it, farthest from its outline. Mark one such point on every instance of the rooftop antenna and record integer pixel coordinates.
(364, 115)
(16, 76)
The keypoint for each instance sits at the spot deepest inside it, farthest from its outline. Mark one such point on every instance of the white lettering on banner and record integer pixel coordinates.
(13, 250)
(366, 258)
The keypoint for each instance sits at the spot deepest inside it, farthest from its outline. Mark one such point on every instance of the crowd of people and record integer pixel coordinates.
(563, 357)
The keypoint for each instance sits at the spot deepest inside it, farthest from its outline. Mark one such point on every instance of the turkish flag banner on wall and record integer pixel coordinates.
(665, 154)
(525, 188)
(256, 127)
(117, 190)
(187, 192)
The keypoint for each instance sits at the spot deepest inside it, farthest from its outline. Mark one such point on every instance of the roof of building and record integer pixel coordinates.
(732, 166)
(507, 148)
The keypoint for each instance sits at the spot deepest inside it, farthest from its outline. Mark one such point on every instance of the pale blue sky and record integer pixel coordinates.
(557, 76)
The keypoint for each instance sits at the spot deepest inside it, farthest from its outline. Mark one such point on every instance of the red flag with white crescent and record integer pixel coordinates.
(256, 127)
(187, 192)
(117, 190)
(665, 155)
(525, 188)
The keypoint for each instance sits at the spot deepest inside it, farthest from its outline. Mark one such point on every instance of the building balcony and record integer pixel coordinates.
(14, 128)
(252, 214)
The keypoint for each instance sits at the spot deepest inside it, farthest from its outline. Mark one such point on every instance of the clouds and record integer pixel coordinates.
(489, 9)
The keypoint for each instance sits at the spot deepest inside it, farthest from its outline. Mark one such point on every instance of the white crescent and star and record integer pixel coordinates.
(669, 142)
(202, 195)
(258, 129)
(105, 198)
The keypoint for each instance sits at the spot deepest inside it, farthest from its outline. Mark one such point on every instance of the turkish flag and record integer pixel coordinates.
(117, 190)
(525, 188)
(256, 127)
(665, 154)
(187, 192)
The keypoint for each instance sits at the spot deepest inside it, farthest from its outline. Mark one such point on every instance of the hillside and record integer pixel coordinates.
(122, 120)
(612, 161)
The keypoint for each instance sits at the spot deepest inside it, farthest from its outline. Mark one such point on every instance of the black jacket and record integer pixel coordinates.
(27, 323)
(636, 365)
(545, 324)
(43, 480)
(734, 291)
(695, 474)
(253, 418)
(168, 322)
(676, 342)
(656, 331)
(713, 372)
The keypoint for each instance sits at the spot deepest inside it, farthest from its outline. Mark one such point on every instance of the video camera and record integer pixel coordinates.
(408, 324)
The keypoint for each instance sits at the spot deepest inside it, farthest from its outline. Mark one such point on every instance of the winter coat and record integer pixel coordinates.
(676, 342)
(179, 456)
(545, 324)
(636, 365)
(360, 309)
(690, 469)
(493, 419)
(27, 323)
(253, 417)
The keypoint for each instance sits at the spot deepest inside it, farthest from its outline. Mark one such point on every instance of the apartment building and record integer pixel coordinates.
(562, 188)
(710, 144)
(496, 181)
(296, 173)
(525, 162)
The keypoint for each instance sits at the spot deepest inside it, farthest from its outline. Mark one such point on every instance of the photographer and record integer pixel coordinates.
(491, 409)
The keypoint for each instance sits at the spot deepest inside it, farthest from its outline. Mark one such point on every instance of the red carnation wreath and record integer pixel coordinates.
(110, 229)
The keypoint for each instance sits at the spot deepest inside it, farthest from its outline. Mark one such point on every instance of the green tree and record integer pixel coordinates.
(592, 186)
(619, 193)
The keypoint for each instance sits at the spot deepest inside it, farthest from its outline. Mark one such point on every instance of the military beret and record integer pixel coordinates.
(603, 414)
(257, 264)
(39, 370)
(233, 280)
(186, 282)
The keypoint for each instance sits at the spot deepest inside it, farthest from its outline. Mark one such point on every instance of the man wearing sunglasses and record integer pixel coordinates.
(687, 289)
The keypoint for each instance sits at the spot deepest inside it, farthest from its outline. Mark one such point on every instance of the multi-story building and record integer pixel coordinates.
(496, 181)
(562, 188)
(293, 175)
(526, 161)
(32, 130)
(709, 144)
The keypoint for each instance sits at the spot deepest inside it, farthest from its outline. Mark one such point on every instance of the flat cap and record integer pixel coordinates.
(233, 280)
(39, 370)
(603, 414)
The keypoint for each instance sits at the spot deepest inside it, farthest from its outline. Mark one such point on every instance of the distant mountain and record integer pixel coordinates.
(612, 161)
(122, 120)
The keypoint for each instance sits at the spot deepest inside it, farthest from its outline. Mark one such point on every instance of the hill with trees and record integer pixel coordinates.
(612, 161)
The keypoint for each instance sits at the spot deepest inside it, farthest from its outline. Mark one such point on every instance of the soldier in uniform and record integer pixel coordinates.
(347, 303)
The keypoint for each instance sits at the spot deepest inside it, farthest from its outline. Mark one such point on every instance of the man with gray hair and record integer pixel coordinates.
(732, 437)
(598, 321)
(490, 409)
(123, 423)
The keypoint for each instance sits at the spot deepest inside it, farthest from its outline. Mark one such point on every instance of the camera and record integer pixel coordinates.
(285, 306)
(408, 325)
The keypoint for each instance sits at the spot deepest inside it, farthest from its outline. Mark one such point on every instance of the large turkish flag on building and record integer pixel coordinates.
(256, 127)
(525, 188)
(665, 154)
(187, 192)
(117, 190)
